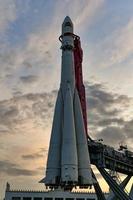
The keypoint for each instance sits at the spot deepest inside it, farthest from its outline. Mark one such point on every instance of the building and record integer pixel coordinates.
(48, 195)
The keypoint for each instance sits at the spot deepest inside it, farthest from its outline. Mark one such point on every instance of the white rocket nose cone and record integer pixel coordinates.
(67, 25)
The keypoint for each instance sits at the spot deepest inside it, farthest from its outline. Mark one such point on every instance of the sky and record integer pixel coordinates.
(30, 64)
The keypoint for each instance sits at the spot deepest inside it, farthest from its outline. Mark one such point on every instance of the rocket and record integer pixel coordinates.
(68, 162)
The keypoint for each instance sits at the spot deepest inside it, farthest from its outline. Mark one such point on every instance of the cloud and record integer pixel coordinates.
(87, 11)
(128, 129)
(8, 13)
(101, 100)
(32, 156)
(16, 93)
(112, 135)
(39, 51)
(12, 169)
(30, 111)
(29, 79)
(111, 121)
(117, 47)
(103, 103)
(31, 63)
(7, 114)
(27, 113)
(4, 129)
(106, 118)
(28, 118)
(36, 155)
(122, 47)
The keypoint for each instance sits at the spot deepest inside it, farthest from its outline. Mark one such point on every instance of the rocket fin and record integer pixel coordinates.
(54, 154)
(69, 162)
(84, 166)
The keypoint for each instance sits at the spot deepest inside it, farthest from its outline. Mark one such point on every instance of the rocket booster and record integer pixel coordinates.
(68, 160)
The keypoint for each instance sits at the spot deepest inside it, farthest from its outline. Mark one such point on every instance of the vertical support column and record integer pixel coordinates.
(99, 193)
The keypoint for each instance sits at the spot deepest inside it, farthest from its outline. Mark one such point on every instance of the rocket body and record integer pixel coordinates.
(68, 160)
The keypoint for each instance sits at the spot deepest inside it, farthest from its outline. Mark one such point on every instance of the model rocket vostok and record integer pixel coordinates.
(68, 160)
